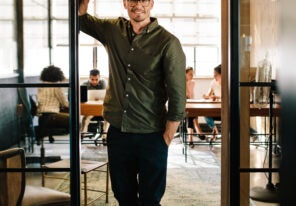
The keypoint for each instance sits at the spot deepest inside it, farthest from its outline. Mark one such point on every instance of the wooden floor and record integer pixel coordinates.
(258, 154)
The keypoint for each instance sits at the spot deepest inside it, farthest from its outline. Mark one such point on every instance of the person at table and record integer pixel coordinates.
(214, 94)
(52, 102)
(146, 69)
(192, 121)
(94, 82)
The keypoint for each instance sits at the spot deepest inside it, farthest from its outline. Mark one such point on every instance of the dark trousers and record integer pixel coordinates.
(138, 166)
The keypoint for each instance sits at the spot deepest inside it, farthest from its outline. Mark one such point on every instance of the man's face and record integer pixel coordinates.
(138, 11)
(94, 80)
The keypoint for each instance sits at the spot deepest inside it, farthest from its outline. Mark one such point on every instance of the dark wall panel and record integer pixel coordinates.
(9, 134)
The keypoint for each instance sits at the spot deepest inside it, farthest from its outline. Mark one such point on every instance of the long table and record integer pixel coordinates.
(193, 109)
(213, 109)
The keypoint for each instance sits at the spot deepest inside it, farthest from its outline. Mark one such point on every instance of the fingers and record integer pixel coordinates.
(167, 139)
(83, 5)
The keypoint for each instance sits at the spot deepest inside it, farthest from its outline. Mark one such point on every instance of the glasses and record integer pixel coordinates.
(142, 2)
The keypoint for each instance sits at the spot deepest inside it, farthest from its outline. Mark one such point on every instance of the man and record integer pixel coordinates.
(94, 82)
(146, 68)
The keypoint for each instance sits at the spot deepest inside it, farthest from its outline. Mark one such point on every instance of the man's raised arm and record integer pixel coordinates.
(83, 4)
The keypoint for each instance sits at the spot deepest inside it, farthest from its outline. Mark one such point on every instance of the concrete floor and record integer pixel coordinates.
(258, 159)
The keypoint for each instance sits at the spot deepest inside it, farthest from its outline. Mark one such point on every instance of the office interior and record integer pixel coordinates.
(237, 34)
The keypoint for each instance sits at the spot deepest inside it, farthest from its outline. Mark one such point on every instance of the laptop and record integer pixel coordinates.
(96, 94)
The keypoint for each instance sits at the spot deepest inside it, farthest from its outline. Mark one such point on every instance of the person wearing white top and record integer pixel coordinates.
(214, 94)
(192, 121)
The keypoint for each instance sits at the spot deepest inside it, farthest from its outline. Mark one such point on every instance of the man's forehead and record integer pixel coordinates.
(92, 76)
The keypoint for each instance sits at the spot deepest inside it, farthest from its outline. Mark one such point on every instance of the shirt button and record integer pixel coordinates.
(129, 79)
(129, 65)
(124, 111)
(126, 95)
(132, 49)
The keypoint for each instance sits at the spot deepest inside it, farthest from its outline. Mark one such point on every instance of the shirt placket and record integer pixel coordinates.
(127, 93)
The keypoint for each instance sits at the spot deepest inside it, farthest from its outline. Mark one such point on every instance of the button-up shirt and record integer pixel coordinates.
(146, 74)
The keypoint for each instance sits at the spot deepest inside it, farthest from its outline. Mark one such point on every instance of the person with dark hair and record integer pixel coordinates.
(214, 93)
(145, 99)
(94, 82)
(51, 100)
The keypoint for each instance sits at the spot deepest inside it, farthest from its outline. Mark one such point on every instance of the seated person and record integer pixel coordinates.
(214, 94)
(192, 122)
(51, 100)
(93, 83)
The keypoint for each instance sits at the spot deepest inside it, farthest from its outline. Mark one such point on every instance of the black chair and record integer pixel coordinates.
(95, 130)
(43, 130)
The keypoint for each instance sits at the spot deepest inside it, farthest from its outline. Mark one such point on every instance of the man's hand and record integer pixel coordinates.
(170, 130)
(83, 4)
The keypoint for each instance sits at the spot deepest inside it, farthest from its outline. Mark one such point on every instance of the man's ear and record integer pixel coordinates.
(152, 3)
(124, 3)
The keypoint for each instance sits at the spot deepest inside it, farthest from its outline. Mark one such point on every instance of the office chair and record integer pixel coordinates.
(43, 130)
(95, 131)
(13, 188)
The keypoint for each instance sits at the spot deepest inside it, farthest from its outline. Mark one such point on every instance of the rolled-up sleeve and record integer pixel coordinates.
(174, 65)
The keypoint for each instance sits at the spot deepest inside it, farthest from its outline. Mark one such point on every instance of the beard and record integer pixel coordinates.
(138, 17)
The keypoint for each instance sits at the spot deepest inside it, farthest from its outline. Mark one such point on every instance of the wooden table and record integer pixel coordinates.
(194, 108)
(92, 108)
(213, 109)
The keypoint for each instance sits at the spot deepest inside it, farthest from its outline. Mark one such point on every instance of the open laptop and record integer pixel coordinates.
(96, 94)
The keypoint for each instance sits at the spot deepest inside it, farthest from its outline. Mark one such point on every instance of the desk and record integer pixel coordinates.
(213, 109)
(92, 108)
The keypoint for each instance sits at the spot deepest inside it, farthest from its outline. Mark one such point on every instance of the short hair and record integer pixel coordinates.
(94, 72)
(52, 74)
(188, 69)
(218, 69)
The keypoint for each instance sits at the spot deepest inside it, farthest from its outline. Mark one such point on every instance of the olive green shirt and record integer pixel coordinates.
(146, 71)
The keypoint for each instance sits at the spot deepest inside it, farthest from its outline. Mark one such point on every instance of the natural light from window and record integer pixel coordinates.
(195, 22)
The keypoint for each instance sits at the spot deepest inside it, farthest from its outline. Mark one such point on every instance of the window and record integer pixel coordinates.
(8, 52)
(195, 22)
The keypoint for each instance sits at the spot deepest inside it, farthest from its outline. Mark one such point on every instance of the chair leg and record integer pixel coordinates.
(85, 189)
(42, 153)
(107, 183)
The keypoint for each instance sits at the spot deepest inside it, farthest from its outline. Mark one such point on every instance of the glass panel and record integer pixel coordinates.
(259, 53)
(8, 53)
(195, 23)
(35, 9)
(36, 19)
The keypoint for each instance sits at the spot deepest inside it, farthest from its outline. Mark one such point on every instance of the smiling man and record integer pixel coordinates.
(146, 71)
